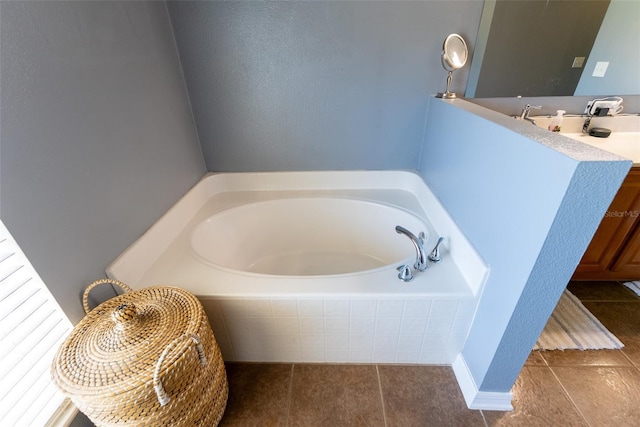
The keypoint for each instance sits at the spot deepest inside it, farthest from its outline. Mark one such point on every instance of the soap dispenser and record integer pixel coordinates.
(556, 123)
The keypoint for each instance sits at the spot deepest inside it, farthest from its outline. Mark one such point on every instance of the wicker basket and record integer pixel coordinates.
(145, 357)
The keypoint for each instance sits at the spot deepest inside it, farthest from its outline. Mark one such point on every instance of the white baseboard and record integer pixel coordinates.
(476, 399)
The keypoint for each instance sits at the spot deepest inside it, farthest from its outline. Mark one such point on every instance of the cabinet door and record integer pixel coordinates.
(628, 263)
(614, 229)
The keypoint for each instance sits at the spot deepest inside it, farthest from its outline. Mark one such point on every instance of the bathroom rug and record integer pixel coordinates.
(572, 327)
(634, 286)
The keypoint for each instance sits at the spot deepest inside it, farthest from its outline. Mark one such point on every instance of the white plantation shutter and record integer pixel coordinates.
(32, 327)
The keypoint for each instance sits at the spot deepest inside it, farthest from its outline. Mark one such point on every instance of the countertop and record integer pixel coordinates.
(623, 141)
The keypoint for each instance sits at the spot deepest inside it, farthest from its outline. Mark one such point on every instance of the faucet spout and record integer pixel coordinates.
(524, 115)
(421, 254)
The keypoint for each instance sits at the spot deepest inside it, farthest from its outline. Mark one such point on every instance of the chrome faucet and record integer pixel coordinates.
(524, 115)
(421, 254)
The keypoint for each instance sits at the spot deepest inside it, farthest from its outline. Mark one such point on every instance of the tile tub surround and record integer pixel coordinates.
(358, 317)
(359, 330)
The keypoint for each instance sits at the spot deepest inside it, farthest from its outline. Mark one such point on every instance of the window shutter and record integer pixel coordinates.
(32, 327)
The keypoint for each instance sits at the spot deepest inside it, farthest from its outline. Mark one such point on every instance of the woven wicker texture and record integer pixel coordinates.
(146, 357)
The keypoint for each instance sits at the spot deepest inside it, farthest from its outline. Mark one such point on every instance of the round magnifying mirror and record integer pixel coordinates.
(454, 57)
(454, 52)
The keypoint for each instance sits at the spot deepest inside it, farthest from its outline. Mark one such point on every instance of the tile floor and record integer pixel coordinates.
(555, 388)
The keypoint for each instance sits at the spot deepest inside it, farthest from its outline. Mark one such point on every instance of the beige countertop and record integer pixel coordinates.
(623, 141)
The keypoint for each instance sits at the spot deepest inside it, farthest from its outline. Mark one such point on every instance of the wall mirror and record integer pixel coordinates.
(454, 57)
(556, 48)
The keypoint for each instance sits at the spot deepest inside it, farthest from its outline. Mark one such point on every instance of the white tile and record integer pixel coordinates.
(337, 355)
(232, 307)
(407, 356)
(417, 307)
(263, 325)
(312, 325)
(310, 355)
(409, 342)
(388, 342)
(433, 343)
(336, 308)
(337, 341)
(362, 325)
(281, 354)
(284, 307)
(315, 341)
(211, 306)
(390, 308)
(432, 358)
(361, 342)
(360, 356)
(383, 356)
(461, 325)
(217, 325)
(285, 325)
(388, 325)
(245, 307)
(444, 308)
(311, 308)
(466, 308)
(239, 326)
(336, 325)
(413, 325)
(288, 341)
(363, 308)
(439, 326)
(243, 344)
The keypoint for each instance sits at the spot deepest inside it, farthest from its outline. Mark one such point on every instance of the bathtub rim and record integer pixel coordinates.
(135, 260)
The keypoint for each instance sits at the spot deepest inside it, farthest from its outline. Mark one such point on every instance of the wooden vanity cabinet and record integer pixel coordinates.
(614, 251)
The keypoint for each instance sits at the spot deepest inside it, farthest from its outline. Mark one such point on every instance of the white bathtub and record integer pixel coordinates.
(301, 267)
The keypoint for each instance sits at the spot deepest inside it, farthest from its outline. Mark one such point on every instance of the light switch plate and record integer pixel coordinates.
(600, 69)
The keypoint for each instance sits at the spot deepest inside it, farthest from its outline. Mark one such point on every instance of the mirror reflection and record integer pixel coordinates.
(556, 48)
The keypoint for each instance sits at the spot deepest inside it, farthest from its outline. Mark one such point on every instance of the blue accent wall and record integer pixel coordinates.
(530, 205)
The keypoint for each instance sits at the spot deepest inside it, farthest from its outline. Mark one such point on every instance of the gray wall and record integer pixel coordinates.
(96, 131)
(316, 85)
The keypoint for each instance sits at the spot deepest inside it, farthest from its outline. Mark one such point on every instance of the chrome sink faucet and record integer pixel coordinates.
(524, 115)
(421, 254)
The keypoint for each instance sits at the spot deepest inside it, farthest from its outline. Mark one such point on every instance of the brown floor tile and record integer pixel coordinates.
(605, 396)
(258, 394)
(601, 291)
(585, 358)
(424, 396)
(623, 320)
(538, 400)
(335, 395)
(535, 359)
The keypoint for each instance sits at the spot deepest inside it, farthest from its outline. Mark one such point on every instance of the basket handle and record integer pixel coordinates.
(85, 296)
(163, 398)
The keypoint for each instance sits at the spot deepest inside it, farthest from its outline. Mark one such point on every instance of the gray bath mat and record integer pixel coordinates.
(572, 327)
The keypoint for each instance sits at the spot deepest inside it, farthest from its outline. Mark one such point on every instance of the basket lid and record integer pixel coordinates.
(115, 347)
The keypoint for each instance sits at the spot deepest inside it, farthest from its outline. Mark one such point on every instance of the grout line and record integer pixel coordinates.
(566, 392)
(289, 394)
(384, 413)
(486, 424)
